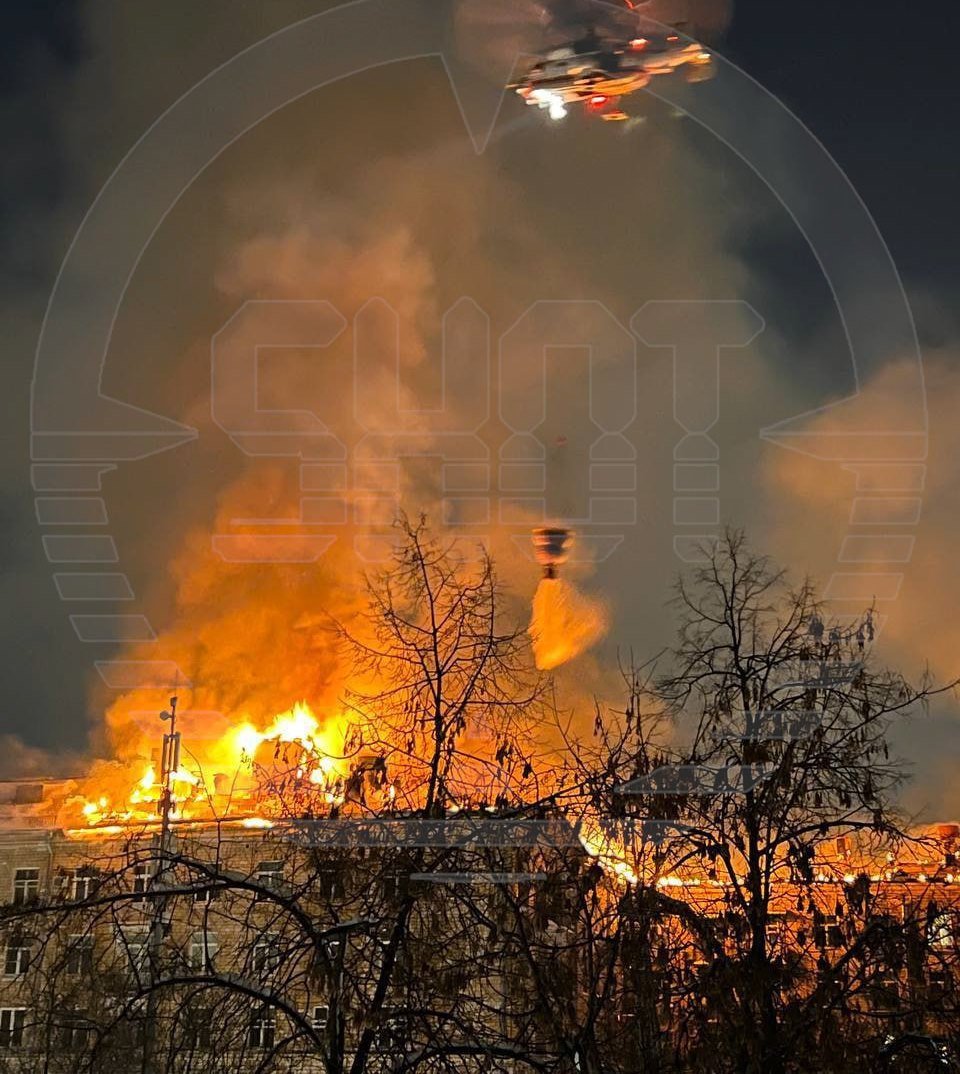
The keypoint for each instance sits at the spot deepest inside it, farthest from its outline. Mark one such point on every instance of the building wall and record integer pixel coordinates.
(812, 923)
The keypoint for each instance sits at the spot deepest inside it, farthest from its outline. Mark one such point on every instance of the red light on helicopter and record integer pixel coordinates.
(597, 102)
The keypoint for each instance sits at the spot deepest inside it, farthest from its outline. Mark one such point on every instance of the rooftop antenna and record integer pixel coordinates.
(170, 762)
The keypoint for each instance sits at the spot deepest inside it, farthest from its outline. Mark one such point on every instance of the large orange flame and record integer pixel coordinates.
(224, 769)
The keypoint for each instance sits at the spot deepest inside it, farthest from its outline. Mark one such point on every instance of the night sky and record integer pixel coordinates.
(876, 82)
(877, 85)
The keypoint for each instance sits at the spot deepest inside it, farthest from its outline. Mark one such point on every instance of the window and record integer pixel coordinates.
(939, 986)
(206, 895)
(26, 886)
(203, 950)
(884, 991)
(269, 874)
(828, 933)
(328, 961)
(266, 955)
(389, 1035)
(135, 944)
(131, 1030)
(83, 883)
(393, 885)
(79, 956)
(940, 932)
(74, 1035)
(11, 1026)
(453, 980)
(17, 958)
(198, 1034)
(263, 1029)
(142, 873)
(321, 1017)
(330, 880)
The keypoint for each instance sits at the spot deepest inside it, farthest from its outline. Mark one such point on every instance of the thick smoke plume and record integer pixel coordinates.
(418, 228)
(344, 197)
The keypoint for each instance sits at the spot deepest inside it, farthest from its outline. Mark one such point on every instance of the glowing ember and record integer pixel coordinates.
(565, 623)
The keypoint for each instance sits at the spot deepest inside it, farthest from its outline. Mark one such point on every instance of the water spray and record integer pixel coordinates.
(565, 622)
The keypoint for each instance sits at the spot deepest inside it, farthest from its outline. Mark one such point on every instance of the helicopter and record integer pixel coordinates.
(599, 73)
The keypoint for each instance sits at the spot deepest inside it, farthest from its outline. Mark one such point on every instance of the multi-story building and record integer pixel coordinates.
(301, 945)
(223, 944)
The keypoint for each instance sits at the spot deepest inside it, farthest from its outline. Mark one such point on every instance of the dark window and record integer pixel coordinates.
(321, 1017)
(939, 987)
(266, 955)
(83, 883)
(393, 885)
(269, 875)
(198, 1033)
(141, 877)
(203, 950)
(12, 1021)
(132, 1030)
(17, 959)
(79, 956)
(74, 1036)
(330, 881)
(885, 992)
(389, 1036)
(828, 934)
(135, 944)
(263, 1029)
(26, 886)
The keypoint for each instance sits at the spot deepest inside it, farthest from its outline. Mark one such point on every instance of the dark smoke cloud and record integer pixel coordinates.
(372, 188)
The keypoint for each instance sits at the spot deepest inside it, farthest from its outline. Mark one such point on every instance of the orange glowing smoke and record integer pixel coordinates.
(565, 623)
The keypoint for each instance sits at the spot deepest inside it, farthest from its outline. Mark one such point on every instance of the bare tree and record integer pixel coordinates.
(366, 927)
(446, 691)
(695, 887)
(778, 746)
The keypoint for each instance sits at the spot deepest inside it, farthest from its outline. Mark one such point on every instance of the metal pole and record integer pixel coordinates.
(169, 763)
